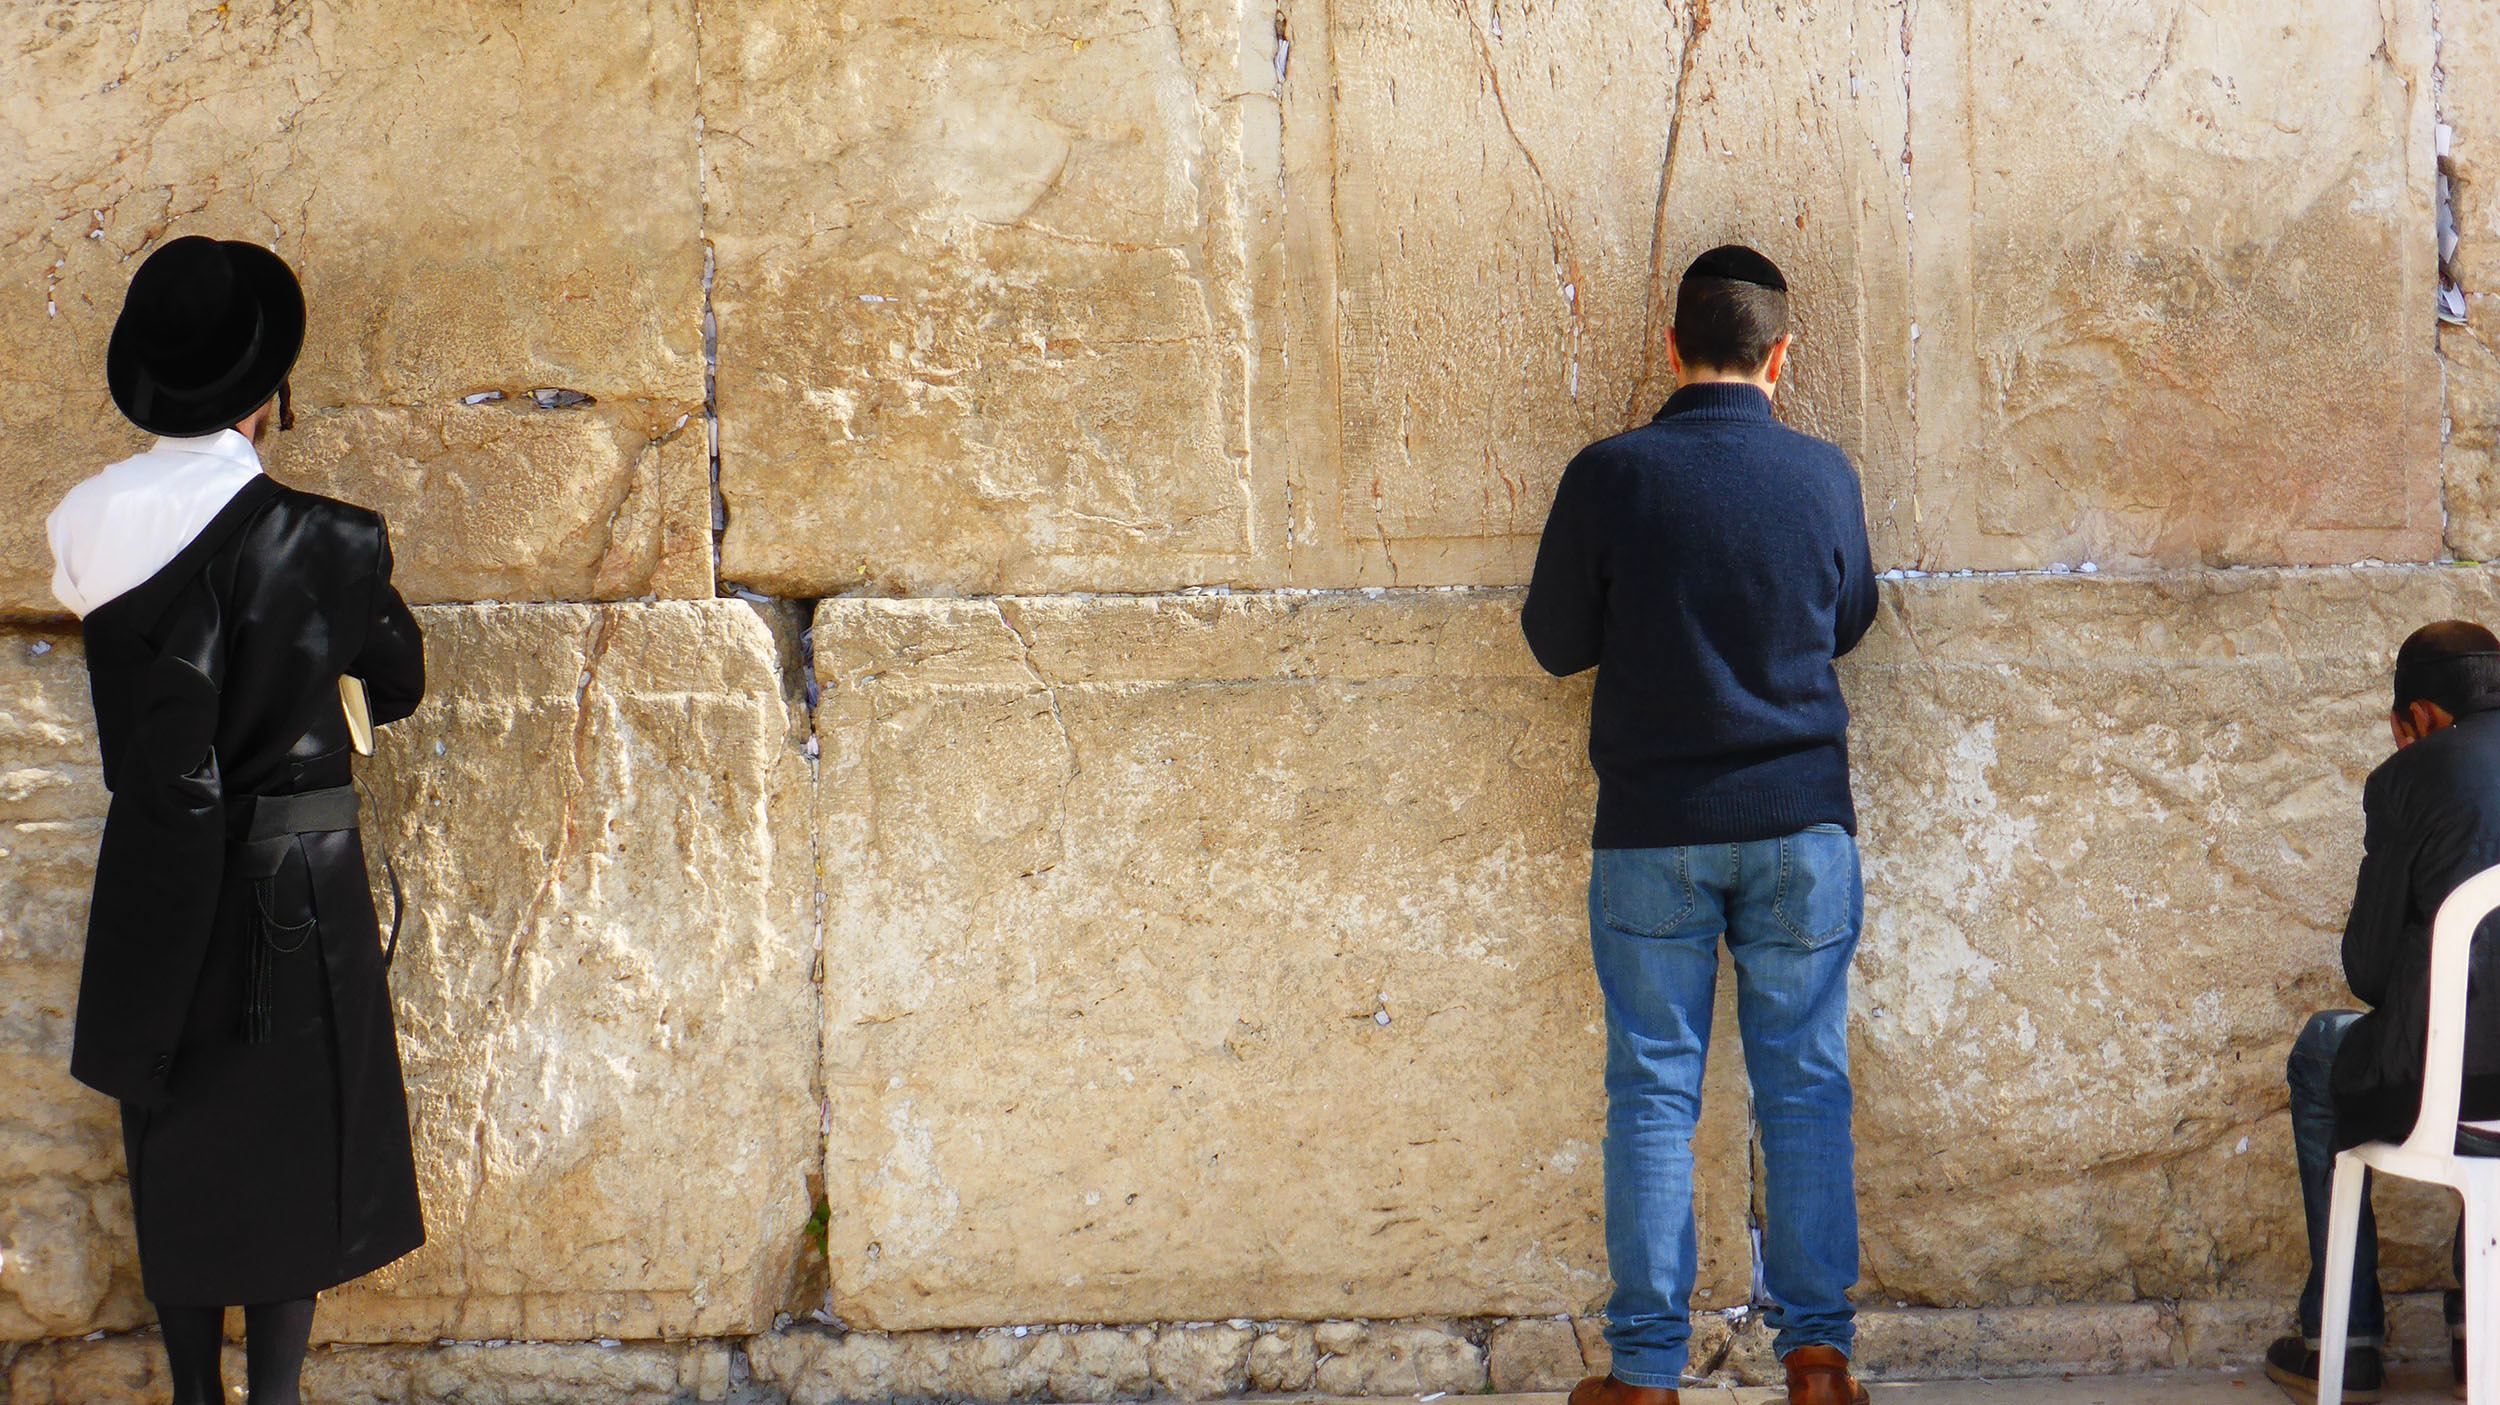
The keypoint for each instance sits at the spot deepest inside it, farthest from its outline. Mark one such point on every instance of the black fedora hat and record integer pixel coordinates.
(206, 335)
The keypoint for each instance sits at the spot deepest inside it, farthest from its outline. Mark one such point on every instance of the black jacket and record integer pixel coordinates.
(234, 993)
(2432, 820)
(1710, 565)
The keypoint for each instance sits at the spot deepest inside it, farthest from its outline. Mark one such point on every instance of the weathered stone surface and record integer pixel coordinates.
(2470, 104)
(2471, 456)
(1488, 209)
(1593, 1349)
(477, 198)
(817, 1367)
(510, 502)
(1284, 1360)
(1251, 869)
(131, 1371)
(604, 982)
(1411, 1358)
(1533, 1354)
(65, 1264)
(2132, 226)
(2112, 828)
(1475, 209)
(604, 995)
(1202, 1363)
(1913, 1345)
(984, 293)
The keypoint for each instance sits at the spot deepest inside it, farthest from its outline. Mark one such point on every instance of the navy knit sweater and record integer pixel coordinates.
(1710, 565)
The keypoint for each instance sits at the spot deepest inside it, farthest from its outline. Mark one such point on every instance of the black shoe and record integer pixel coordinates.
(2292, 1363)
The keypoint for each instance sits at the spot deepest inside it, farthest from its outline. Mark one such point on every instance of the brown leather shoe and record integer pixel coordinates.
(1819, 1375)
(1606, 1390)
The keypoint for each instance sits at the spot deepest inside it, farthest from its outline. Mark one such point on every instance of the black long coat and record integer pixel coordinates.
(268, 1168)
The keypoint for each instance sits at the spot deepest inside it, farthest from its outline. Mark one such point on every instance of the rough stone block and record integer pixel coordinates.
(2112, 828)
(984, 293)
(511, 502)
(477, 198)
(2173, 283)
(604, 981)
(818, 1367)
(130, 1370)
(1533, 1354)
(1284, 896)
(1488, 209)
(604, 996)
(1202, 1363)
(2469, 102)
(1407, 1358)
(1284, 1361)
(66, 1265)
(2471, 456)
(2236, 1331)
(1593, 1349)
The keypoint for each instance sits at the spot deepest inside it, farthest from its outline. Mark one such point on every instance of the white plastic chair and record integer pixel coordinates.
(2430, 1154)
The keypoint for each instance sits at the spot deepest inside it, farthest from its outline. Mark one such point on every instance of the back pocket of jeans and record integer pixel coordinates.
(1820, 890)
(1646, 892)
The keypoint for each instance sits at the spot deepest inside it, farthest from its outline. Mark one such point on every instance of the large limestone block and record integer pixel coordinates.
(479, 197)
(2470, 355)
(2470, 104)
(1209, 956)
(66, 1266)
(1488, 210)
(2173, 283)
(604, 988)
(2112, 828)
(984, 292)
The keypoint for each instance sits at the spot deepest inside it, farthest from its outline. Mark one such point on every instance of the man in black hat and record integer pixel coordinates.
(2430, 820)
(232, 995)
(1710, 565)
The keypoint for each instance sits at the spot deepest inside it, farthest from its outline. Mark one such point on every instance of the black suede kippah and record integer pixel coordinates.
(1738, 264)
(2464, 684)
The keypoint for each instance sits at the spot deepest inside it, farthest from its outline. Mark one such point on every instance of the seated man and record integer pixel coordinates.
(2431, 820)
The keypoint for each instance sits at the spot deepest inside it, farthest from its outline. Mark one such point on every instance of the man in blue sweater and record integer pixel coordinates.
(1710, 565)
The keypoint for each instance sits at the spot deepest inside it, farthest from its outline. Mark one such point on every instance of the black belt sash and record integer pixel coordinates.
(255, 818)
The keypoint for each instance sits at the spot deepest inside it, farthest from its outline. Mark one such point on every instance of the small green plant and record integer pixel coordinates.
(819, 1226)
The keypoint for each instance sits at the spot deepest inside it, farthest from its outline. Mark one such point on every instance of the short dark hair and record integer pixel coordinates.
(2452, 663)
(1730, 323)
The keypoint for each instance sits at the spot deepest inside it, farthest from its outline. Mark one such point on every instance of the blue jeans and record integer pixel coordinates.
(1790, 910)
(2313, 1146)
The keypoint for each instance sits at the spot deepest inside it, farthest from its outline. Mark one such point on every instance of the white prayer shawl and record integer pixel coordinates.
(120, 527)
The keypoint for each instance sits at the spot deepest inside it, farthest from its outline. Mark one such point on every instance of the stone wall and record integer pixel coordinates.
(982, 781)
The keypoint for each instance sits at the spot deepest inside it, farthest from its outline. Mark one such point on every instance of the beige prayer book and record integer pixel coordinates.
(359, 713)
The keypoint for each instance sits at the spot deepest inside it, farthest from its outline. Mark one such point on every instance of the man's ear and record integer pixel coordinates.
(1776, 362)
(1675, 356)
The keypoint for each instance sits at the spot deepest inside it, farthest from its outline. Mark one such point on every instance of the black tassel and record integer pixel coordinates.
(256, 1021)
(259, 995)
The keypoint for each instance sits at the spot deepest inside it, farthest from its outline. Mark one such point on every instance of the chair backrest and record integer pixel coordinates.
(2452, 965)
